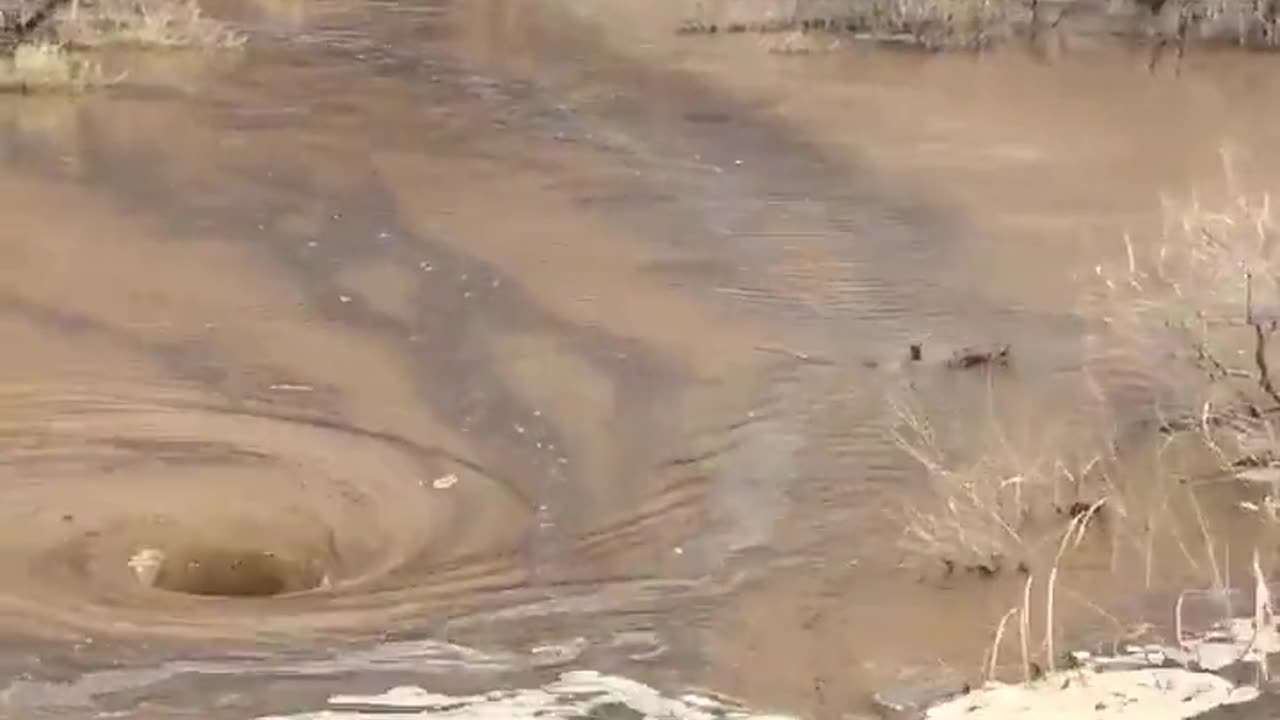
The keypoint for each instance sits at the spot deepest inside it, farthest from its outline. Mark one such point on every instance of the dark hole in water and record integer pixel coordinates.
(231, 573)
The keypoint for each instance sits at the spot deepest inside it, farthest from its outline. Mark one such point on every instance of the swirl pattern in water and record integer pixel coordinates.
(159, 512)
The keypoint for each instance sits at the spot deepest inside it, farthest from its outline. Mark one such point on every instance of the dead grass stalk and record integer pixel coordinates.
(144, 24)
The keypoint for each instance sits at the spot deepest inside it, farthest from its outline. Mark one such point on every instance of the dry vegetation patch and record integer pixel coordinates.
(1167, 25)
(53, 45)
(45, 66)
(142, 23)
(1182, 491)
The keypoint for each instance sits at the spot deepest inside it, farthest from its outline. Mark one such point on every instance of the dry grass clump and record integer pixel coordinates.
(994, 510)
(1206, 295)
(1170, 25)
(1207, 298)
(1016, 510)
(43, 67)
(50, 44)
(142, 23)
(935, 24)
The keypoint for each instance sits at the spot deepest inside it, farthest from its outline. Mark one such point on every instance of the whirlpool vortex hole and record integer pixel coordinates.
(224, 572)
(160, 512)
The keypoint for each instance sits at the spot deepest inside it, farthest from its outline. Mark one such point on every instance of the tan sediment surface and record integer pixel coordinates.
(520, 330)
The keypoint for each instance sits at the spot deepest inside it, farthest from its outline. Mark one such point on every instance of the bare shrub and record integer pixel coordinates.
(49, 44)
(1206, 296)
(1175, 483)
(1198, 310)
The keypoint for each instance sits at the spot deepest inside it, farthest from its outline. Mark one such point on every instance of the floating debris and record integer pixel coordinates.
(966, 358)
(146, 564)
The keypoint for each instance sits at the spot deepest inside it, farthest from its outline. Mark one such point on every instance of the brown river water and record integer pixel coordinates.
(534, 328)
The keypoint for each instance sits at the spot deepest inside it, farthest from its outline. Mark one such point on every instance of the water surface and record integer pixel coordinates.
(466, 343)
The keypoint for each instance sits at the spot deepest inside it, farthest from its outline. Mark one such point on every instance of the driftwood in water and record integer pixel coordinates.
(969, 357)
(17, 26)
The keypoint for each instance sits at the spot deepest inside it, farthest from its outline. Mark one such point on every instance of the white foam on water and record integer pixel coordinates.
(575, 694)
(418, 656)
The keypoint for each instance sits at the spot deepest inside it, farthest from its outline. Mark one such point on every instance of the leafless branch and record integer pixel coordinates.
(1260, 359)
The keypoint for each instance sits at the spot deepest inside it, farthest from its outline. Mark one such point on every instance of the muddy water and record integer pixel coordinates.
(479, 340)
